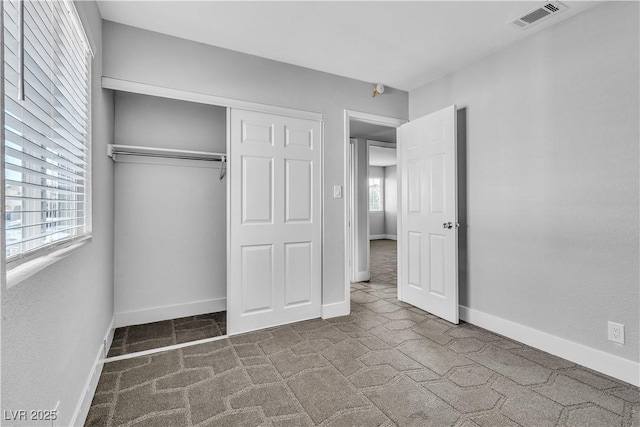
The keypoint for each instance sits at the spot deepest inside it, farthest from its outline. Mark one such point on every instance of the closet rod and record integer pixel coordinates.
(114, 150)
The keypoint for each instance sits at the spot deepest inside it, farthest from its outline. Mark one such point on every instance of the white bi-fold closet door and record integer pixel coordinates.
(274, 221)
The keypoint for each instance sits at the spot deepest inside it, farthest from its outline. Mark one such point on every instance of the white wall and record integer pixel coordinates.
(553, 177)
(376, 219)
(54, 322)
(152, 58)
(170, 216)
(390, 201)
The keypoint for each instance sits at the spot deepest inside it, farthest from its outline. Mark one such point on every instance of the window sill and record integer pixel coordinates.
(22, 272)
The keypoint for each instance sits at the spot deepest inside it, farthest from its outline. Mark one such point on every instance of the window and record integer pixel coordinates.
(375, 195)
(46, 127)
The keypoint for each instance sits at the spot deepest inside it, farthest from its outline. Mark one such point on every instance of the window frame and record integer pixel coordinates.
(380, 193)
(30, 262)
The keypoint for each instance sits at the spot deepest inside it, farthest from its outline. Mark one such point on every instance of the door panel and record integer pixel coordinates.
(437, 265)
(298, 137)
(257, 189)
(428, 249)
(414, 184)
(257, 278)
(257, 133)
(437, 182)
(274, 274)
(299, 267)
(299, 190)
(415, 259)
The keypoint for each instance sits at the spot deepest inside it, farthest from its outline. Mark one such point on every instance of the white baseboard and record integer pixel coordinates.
(156, 314)
(336, 309)
(383, 236)
(84, 403)
(609, 364)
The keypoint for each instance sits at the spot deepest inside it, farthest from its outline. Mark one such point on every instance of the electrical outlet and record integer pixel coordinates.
(337, 191)
(615, 332)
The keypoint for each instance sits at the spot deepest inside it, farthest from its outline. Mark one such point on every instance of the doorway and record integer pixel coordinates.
(371, 200)
(374, 201)
(382, 213)
(427, 255)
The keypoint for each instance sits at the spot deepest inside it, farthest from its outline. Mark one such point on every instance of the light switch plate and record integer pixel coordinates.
(337, 191)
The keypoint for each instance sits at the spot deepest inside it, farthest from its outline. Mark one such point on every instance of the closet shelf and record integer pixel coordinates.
(115, 150)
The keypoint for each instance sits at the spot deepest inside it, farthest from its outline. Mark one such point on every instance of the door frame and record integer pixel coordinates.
(348, 193)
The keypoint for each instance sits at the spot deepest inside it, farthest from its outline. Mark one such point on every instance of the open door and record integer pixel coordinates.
(275, 220)
(428, 235)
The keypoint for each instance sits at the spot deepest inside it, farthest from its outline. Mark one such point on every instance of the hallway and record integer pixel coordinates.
(384, 262)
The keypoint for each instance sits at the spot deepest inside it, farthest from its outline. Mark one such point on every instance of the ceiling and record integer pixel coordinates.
(381, 156)
(400, 44)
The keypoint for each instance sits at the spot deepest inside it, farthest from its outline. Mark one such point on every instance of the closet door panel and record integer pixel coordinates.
(298, 273)
(299, 190)
(274, 272)
(257, 278)
(257, 190)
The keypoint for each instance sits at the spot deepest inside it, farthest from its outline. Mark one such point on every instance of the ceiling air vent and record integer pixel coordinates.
(538, 14)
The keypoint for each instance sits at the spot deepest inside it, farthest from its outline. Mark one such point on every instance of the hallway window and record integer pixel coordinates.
(46, 127)
(375, 195)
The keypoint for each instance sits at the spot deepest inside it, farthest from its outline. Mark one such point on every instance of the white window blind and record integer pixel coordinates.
(47, 126)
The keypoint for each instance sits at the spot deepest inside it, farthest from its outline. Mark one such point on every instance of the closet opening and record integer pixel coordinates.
(170, 216)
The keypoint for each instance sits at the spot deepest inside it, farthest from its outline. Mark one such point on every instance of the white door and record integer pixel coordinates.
(361, 270)
(428, 239)
(274, 274)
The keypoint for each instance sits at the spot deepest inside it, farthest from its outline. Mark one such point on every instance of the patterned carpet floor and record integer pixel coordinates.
(131, 339)
(384, 262)
(385, 364)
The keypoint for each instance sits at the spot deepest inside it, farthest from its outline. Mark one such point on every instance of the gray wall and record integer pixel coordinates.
(390, 201)
(54, 322)
(169, 123)
(143, 56)
(552, 177)
(170, 217)
(376, 219)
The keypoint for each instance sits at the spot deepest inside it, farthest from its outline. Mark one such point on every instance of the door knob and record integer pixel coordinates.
(447, 225)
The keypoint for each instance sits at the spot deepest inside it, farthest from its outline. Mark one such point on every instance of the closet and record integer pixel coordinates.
(170, 208)
(218, 209)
